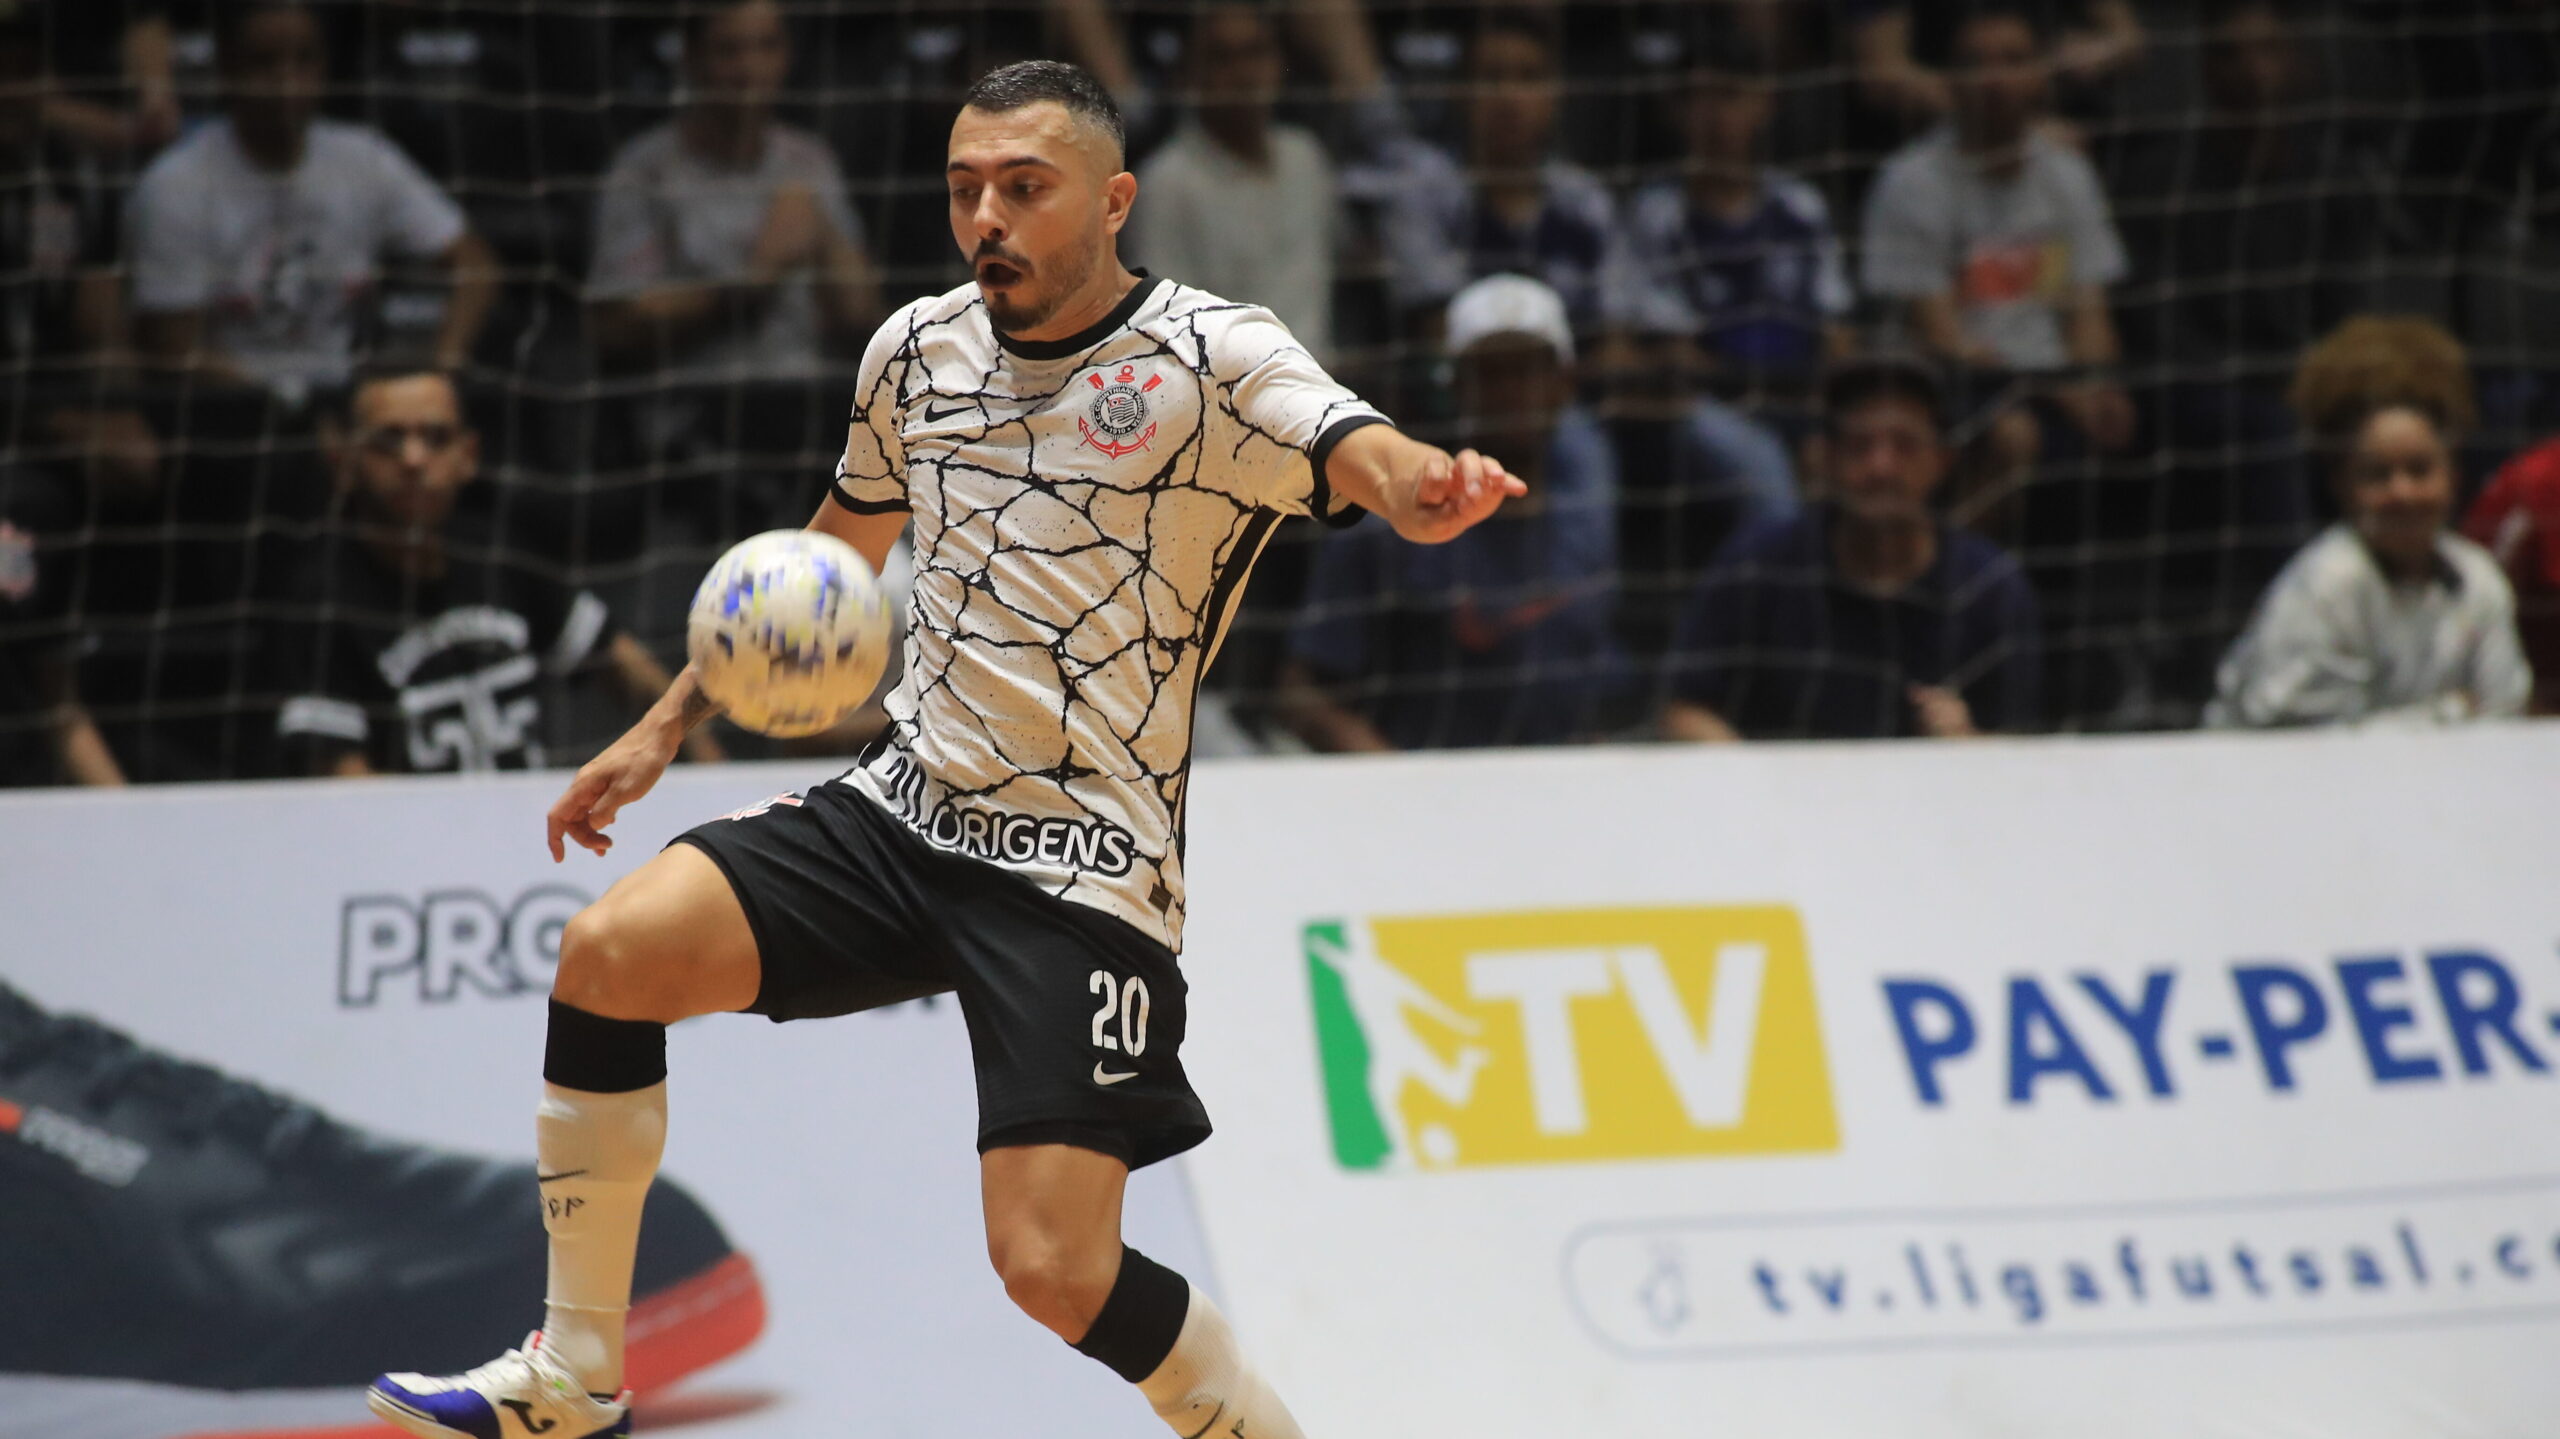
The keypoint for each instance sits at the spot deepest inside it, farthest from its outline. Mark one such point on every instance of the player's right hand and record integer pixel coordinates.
(628, 769)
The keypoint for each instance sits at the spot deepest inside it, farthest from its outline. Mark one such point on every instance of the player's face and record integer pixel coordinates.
(2000, 77)
(1886, 458)
(746, 55)
(410, 453)
(1513, 113)
(274, 70)
(1036, 197)
(2400, 485)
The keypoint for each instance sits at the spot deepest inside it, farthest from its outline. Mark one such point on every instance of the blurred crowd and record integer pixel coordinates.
(375, 378)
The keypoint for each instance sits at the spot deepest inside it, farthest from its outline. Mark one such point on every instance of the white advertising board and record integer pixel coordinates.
(381, 948)
(2191, 1086)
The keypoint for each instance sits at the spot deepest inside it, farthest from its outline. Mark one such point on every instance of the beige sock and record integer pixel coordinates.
(597, 1154)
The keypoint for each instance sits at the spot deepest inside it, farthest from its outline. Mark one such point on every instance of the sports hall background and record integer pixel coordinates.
(2263, 173)
(2150, 1083)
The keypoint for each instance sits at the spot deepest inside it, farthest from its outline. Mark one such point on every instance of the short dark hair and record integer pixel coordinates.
(232, 19)
(696, 21)
(1030, 82)
(1518, 25)
(1973, 12)
(393, 366)
(1858, 382)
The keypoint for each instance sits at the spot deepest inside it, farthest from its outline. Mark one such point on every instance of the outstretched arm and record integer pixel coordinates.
(1426, 494)
(629, 768)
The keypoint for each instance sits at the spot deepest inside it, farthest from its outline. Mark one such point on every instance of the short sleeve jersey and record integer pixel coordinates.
(1085, 512)
(427, 675)
(667, 216)
(284, 264)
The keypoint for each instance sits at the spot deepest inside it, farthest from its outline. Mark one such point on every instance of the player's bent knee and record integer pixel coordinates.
(609, 967)
(1060, 1289)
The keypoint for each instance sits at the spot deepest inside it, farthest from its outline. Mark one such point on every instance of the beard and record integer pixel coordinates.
(1028, 306)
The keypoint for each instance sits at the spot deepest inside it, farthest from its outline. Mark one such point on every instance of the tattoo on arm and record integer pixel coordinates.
(692, 705)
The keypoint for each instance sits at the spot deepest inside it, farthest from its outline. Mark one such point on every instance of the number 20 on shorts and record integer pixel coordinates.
(1130, 1004)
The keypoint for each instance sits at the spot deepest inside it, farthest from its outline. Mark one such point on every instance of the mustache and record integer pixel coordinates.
(989, 250)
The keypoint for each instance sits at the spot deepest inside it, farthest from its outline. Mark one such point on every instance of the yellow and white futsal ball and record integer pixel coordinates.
(789, 632)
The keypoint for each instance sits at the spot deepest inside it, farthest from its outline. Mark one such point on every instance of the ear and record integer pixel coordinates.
(1118, 194)
(337, 449)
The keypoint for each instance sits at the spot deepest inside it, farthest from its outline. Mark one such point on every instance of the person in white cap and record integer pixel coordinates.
(1504, 636)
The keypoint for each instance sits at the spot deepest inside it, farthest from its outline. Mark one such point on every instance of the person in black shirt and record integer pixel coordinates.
(422, 645)
(60, 424)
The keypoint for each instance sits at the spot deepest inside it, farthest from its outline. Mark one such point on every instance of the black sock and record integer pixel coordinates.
(600, 1055)
(1140, 1320)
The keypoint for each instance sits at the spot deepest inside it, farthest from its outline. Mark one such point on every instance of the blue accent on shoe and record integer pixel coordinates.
(459, 1410)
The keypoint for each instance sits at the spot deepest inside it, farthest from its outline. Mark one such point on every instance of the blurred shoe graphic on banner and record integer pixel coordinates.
(187, 1253)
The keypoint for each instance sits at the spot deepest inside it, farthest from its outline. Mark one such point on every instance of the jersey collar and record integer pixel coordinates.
(1092, 335)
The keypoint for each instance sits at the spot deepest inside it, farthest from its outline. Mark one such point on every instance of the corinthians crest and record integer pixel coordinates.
(1119, 420)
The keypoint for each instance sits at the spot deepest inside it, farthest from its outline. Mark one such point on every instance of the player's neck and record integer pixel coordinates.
(1111, 283)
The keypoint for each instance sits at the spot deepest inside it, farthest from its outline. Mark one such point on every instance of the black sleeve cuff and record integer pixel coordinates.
(866, 507)
(1320, 500)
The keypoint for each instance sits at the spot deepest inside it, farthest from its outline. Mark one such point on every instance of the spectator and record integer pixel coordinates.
(114, 90)
(1887, 52)
(2385, 618)
(1236, 204)
(46, 733)
(2260, 216)
(1515, 207)
(1997, 241)
(64, 433)
(1738, 261)
(1501, 636)
(425, 646)
(725, 244)
(258, 240)
(2518, 519)
(1867, 616)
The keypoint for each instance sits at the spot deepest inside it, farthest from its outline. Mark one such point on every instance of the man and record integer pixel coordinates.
(57, 324)
(1091, 459)
(2096, 40)
(1514, 207)
(1238, 204)
(725, 245)
(418, 646)
(1503, 635)
(1868, 616)
(259, 240)
(1997, 241)
(1740, 262)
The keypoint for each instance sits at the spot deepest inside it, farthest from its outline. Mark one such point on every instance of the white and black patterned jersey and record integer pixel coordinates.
(1085, 512)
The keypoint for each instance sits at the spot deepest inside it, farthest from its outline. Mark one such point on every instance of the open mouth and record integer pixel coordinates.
(997, 275)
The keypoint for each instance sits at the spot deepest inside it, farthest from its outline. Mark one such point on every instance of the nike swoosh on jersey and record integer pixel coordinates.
(1103, 1076)
(931, 414)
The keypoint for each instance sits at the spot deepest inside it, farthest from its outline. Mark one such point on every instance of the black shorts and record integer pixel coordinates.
(1075, 1016)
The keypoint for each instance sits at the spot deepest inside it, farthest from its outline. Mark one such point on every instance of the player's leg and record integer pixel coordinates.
(1053, 1232)
(667, 942)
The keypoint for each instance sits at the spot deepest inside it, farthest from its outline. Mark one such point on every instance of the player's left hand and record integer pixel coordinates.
(1453, 492)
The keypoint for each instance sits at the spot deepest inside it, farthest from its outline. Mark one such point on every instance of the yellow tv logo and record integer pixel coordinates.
(1556, 1036)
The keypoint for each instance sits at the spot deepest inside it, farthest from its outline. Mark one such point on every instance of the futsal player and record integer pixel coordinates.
(1091, 458)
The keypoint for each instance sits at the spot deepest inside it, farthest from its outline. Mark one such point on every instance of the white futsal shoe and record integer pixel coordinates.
(521, 1394)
